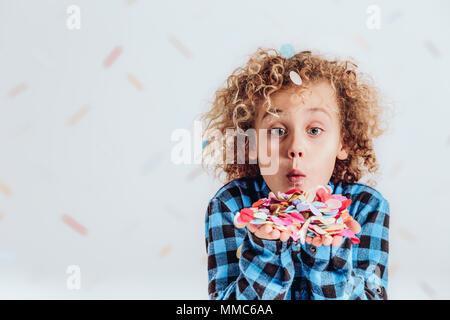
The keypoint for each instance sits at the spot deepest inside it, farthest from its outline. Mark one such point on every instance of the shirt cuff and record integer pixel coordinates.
(274, 246)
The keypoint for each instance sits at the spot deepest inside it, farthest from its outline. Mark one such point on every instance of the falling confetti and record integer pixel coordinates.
(427, 289)
(395, 170)
(194, 174)
(1, 215)
(287, 50)
(392, 269)
(134, 82)
(405, 234)
(174, 212)
(178, 45)
(394, 16)
(164, 251)
(112, 57)
(78, 115)
(5, 189)
(74, 225)
(7, 256)
(362, 42)
(432, 49)
(14, 92)
(154, 160)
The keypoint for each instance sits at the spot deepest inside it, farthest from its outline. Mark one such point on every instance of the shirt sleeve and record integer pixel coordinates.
(265, 270)
(359, 271)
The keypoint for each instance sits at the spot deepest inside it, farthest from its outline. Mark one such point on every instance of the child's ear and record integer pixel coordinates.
(342, 153)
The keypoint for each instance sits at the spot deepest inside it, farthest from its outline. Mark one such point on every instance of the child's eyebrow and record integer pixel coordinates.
(312, 109)
(276, 111)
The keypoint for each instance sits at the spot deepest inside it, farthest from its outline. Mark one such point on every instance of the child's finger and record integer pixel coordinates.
(354, 226)
(284, 236)
(317, 241)
(252, 228)
(267, 228)
(275, 234)
(326, 241)
(308, 239)
(336, 241)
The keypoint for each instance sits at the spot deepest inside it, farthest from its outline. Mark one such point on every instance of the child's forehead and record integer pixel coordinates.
(318, 97)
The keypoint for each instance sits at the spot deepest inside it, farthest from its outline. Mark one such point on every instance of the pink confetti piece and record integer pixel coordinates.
(1, 215)
(395, 170)
(194, 174)
(112, 57)
(132, 79)
(349, 233)
(362, 42)
(428, 289)
(14, 92)
(78, 115)
(74, 224)
(164, 251)
(405, 234)
(432, 49)
(180, 47)
(5, 189)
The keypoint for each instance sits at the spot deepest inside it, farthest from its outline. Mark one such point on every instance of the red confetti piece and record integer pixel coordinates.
(18, 90)
(112, 57)
(74, 224)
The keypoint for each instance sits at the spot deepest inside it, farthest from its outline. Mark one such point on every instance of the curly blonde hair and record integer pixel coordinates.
(235, 106)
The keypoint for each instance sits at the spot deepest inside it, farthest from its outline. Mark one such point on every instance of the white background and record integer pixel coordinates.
(78, 139)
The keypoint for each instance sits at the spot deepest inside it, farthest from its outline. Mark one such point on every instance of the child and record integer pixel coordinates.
(323, 117)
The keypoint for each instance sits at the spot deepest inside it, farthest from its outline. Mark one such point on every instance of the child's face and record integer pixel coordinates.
(308, 131)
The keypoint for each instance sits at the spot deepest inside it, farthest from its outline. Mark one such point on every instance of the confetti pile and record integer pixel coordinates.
(302, 214)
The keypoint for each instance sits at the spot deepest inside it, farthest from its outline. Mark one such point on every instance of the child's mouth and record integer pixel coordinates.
(295, 176)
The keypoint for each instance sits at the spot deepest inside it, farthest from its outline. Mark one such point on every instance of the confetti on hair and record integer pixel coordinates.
(295, 78)
(14, 92)
(74, 224)
(180, 47)
(164, 251)
(205, 143)
(78, 115)
(112, 57)
(132, 79)
(287, 50)
(5, 189)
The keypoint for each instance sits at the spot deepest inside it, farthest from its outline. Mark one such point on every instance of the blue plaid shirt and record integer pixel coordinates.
(272, 269)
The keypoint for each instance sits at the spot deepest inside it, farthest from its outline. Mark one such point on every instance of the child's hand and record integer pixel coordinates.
(267, 232)
(351, 223)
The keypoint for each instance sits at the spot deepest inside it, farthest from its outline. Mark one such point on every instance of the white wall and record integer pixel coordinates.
(78, 139)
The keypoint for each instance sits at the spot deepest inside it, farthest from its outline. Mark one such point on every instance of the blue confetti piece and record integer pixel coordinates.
(258, 221)
(205, 143)
(287, 50)
(315, 211)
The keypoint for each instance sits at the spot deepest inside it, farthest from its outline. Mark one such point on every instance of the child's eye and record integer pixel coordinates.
(315, 131)
(277, 132)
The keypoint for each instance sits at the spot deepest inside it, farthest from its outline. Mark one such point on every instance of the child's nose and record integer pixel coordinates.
(294, 154)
